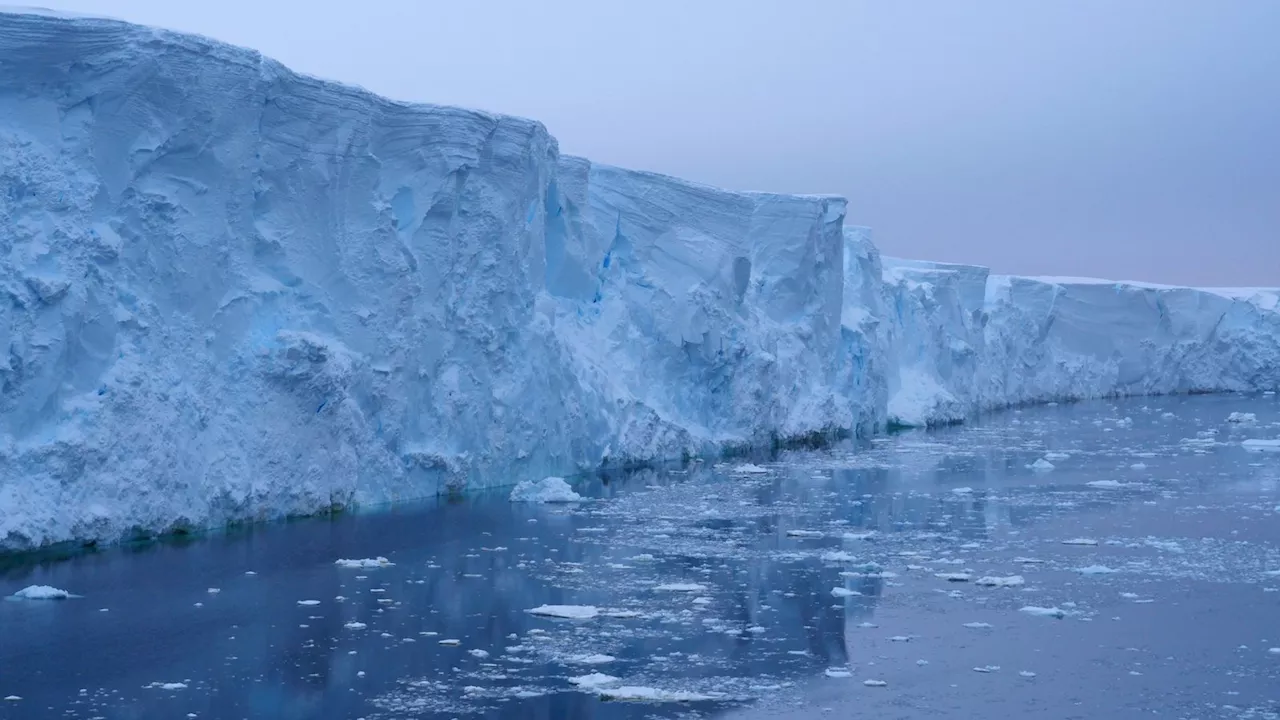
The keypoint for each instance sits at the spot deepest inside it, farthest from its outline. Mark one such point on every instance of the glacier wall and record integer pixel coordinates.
(234, 292)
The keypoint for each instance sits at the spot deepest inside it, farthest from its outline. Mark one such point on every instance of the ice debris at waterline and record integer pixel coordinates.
(205, 327)
(546, 490)
(41, 592)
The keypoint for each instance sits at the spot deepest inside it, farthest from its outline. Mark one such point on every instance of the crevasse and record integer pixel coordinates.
(235, 292)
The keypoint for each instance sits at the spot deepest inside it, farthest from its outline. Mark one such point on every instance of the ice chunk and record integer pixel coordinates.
(844, 592)
(546, 490)
(1107, 484)
(353, 625)
(1004, 582)
(875, 683)
(1041, 465)
(977, 625)
(954, 577)
(749, 469)
(569, 612)
(1095, 570)
(1056, 456)
(1261, 445)
(640, 693)
(365, 564)
(1242, 417)
(680, 587)
(1080, 541)
(41, 592)
(1036, 611)
(591, 659)
(594, 681)
(805, 533)
(308, 602)
(837, 673)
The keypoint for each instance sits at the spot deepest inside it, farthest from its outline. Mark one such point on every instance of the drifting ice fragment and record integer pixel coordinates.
(41, 592)
(569, 612)
(547, 490)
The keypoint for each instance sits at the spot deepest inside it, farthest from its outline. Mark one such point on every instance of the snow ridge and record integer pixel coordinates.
(236, 292)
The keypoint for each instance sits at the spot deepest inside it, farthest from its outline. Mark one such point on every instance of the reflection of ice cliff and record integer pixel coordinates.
(237, 293)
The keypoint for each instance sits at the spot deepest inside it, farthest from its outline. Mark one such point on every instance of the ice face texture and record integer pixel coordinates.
(233, 292)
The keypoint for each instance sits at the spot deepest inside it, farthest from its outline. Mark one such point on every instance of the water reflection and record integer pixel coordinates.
(762, 555)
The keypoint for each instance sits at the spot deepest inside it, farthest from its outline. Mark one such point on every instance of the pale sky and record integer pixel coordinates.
(1127, 139)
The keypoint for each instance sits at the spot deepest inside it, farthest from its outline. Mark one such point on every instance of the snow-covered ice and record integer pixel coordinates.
(467, 307)
(1261, 445)
(1037, 611)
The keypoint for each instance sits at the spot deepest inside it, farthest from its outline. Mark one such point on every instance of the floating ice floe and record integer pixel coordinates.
(844, 592)
(567, 612)
(41, 592)
(1056, 456)
(1096, 570)
(875, 683)
(1052, 612)
(1107, 484)
(837, 673)
(977, 625)
(1261, 445)
(166, 686)
(749, 469)
(355, 626)
(1004, 582)
(591, 659)
(680, 587)
(365, 563)
(954, 577)
(805, 533)
(1041, 465)
(547, 490)
(1242, 417)
(1080, 541)
(308, 603)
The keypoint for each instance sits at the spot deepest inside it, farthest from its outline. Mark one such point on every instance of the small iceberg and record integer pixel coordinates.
(41, 592)
(547, 490)
(1242, 417)
(1041, 465)
(1261, 445)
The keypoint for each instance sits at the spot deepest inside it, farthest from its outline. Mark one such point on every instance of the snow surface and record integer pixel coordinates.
(237, 293)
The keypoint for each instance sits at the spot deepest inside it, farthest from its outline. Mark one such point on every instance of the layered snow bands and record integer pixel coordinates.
(234, 292)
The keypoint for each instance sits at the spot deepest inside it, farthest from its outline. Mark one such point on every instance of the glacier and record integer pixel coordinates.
(237, 293)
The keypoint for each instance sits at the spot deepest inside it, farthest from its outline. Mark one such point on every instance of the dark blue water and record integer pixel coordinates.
(792, 587)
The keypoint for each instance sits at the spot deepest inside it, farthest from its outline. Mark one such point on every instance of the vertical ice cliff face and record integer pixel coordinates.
(232, 291)
(866, 332)
(936, 340)
(714, 312)
(1069, 338)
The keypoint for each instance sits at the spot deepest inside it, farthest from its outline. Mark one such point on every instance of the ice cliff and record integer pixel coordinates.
(235, 292)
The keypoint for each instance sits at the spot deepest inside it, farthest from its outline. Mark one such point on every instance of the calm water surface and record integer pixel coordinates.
(775, 590)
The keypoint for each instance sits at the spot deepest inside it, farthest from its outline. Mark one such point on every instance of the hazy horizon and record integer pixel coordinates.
(1128, 140)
